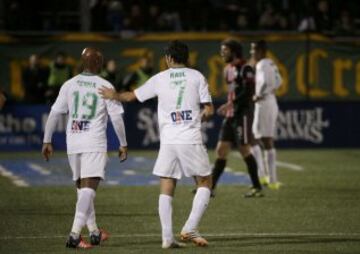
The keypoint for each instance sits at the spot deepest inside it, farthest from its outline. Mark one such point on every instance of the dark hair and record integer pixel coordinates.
(178, 51)
(234, 46)
(261, 45)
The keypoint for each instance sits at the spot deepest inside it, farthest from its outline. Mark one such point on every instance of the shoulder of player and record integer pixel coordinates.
(245, 69)
(103, 82)
(264, 62)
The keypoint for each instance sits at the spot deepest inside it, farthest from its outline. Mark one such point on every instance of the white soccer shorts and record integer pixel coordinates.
(172, 160)
(265, 115)
(84, 165)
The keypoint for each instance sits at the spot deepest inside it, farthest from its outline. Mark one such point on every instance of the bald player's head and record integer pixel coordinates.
(92, 60)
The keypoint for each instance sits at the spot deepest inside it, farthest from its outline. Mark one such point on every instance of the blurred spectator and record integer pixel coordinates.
(34, 80)
(282, 22)
(267, 20)
(59, 72)
(323, 17)
(110, 73)
(136, 19)
(345, 25)
(153, 18)
(242, 22)
(140, 76)
(170, 21)
(115, 15)
(99, 11)
(307, 23)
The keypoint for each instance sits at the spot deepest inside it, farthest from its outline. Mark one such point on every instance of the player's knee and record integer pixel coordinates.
(268, 143)
(221, 152)
(204, 181)
(245, 150)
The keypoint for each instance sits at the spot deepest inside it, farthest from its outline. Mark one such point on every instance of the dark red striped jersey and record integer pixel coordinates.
(240, 79)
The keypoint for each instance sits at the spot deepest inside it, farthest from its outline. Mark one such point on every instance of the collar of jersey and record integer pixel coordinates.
(87, 73)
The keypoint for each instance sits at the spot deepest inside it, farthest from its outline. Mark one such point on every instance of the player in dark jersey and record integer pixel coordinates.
(238, 114)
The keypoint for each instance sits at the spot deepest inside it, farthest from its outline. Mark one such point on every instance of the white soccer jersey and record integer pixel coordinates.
(180, 92)
(88, 113)
(268, 78)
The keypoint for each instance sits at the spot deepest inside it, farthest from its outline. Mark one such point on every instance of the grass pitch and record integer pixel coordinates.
(316, 211)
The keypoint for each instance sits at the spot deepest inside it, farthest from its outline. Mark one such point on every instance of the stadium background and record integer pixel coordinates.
(317, 50)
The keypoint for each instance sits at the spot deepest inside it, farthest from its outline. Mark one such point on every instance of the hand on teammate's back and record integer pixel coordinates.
(47, 151)
(107, 93)
(123, 153)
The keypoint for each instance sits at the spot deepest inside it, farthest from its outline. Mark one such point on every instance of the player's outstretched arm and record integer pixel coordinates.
(111, 94)
(207, 112)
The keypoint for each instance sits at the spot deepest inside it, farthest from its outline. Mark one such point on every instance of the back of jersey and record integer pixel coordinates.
(88, 113)
(180, 92)
(268, 76)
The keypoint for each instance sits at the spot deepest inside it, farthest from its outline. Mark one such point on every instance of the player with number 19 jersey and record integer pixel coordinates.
(88, 113)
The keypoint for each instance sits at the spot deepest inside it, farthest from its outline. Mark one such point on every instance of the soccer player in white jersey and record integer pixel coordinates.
(86, 140)
(180, 92)
(268, 79)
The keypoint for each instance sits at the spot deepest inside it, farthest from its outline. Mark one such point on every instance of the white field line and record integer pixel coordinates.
(290, 166)
(16, 180)
(281, 164)
(235, 234)
(37, 168)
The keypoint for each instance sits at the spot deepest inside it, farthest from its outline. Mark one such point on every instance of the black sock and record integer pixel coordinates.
(252, 169)
(217, 171)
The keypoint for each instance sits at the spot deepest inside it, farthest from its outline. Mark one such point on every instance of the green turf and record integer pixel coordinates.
(300, 218)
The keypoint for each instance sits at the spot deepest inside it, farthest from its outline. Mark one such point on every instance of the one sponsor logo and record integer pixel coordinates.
(80, 126)
(305, 124)
(181, 116)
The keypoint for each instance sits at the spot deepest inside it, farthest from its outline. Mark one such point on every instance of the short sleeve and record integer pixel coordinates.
(204, 93)
(61, 104)
(146, 91)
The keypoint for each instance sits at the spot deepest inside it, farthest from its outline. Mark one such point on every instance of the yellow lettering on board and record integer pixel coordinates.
(357, 78)
(312, 91)
(340, 65)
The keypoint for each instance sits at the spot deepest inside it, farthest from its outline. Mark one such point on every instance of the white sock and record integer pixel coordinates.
(165, 214)
(85, 197)
(200, 203)
(91, 220)
(256, 151)
(270, 159)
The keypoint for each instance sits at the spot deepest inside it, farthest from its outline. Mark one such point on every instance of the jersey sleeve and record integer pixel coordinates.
(147, 90)
(114, 107)
(204, 93)
(260, 79)
(61, 103)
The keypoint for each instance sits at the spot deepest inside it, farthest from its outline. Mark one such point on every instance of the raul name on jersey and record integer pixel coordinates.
(183, 116)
